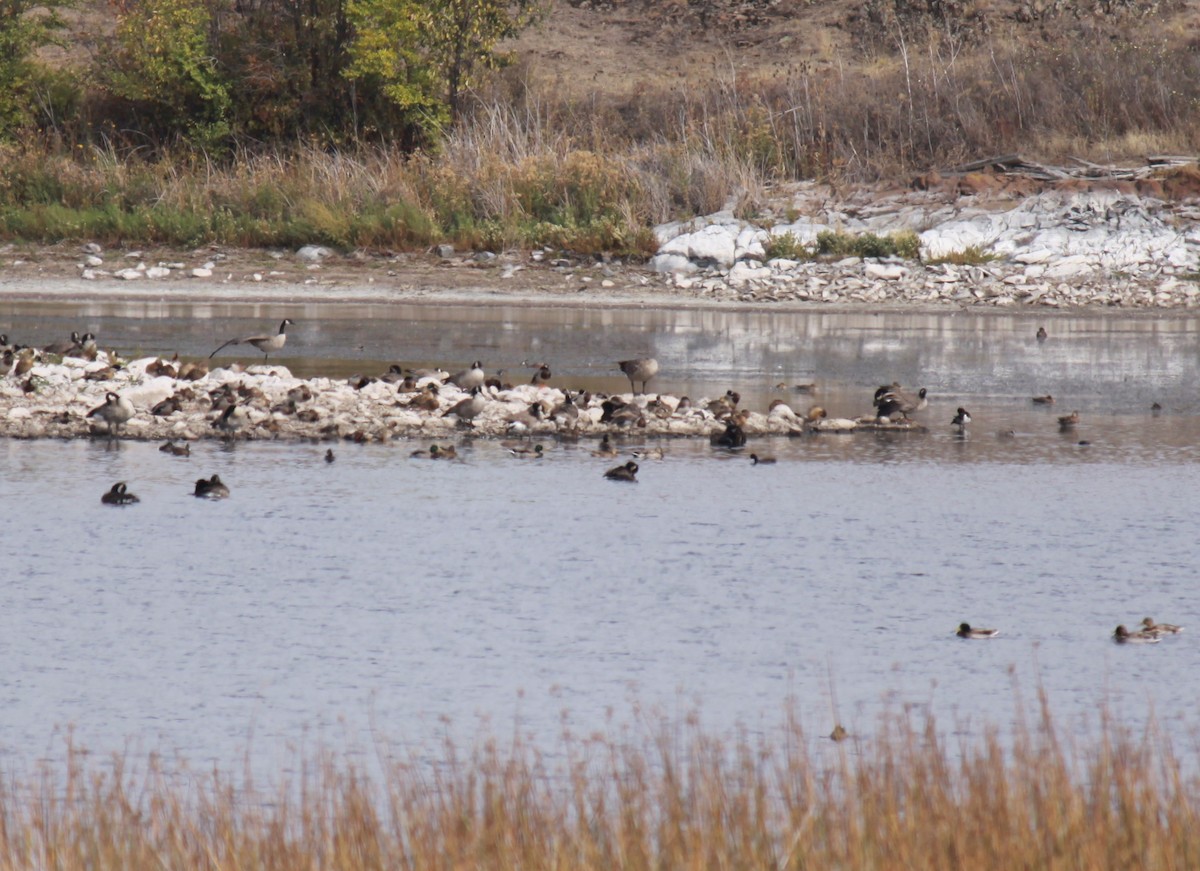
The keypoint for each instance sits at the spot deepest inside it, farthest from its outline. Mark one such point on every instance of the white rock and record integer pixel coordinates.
(128, 274)
(202, 272)
(157, 272)
(313, 253)
(885, 271)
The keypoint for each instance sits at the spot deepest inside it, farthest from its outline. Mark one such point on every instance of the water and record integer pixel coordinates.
(388, 597)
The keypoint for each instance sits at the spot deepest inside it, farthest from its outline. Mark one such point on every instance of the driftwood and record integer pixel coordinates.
(1014, 164)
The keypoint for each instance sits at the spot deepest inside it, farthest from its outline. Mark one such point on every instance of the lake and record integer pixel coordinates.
(387, 597)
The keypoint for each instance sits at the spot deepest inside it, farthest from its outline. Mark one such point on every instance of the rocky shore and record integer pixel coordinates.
(66, 398)
(986, 241)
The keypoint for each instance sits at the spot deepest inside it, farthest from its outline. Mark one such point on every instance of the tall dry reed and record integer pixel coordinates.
(670, 796)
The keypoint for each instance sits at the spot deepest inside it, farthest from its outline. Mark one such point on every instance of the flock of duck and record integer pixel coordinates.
(1148, 632)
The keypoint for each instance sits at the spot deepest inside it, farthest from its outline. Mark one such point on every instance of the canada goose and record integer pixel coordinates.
(642, 370)
(1121, 635)
(233, 418)
(627, 472)
(118, 495)
(329, 457)
(567, 412)
(466, 410)
(64, 347)
(1068, 421)
(965, 631)
(756, 460)
(1159, 628)
(961, 418)
(733, 436)
(183, 450)
(469, 379)
(268, 344)
(892, 400)
(1047, 399)
(115, 411)
(6, 362)
(1042, 335)
(86, 348)
(211, 488)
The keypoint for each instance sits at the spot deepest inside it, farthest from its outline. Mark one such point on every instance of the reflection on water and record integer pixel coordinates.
(1102, 364)
(379, 593)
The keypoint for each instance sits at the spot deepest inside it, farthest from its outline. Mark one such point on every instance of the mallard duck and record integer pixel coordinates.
(119, 495)
(1121, 635)
(1068, 421)
(115, 411)
(966, 631)
(211, 488)
(1043, 400)
(1148, 625)
(429, 453)
(268, 344)
(641, 369)
(756, 460)
(627, 472)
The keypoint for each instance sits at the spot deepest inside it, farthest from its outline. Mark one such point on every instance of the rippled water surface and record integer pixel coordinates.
(380, 594)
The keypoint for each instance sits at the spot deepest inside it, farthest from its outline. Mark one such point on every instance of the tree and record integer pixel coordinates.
(427, 53)
(25, 26)
(163, 64)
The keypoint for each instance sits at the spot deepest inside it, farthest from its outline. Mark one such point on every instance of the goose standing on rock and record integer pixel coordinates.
(642, 369)
(64, 347)
(468, 409)
(268, 344)
(115, 411)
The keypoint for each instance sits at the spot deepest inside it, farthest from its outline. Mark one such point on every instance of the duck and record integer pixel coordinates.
(756, 460)
(1068, 421)
(1148, 625)
(427, 399)
(469, 379)
(527, 453)
(1041, 334)
(542, 375)
(1121, 635)
(329, 456)
(466, 410)
(426, 453)
(648, 454)
(641, 369)
(211, 488)
(723, 406)
(267, 343)
(183, 450)
(167, 407)
(119, 495)
(1046, 399)
(961, 418)
(965, 630)
(606, 448)
(733, 436)
(115, 411)
(446, 452)
(627, 472)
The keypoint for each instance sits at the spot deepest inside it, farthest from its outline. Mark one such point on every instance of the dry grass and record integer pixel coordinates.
(531, 166)
(672, 798)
